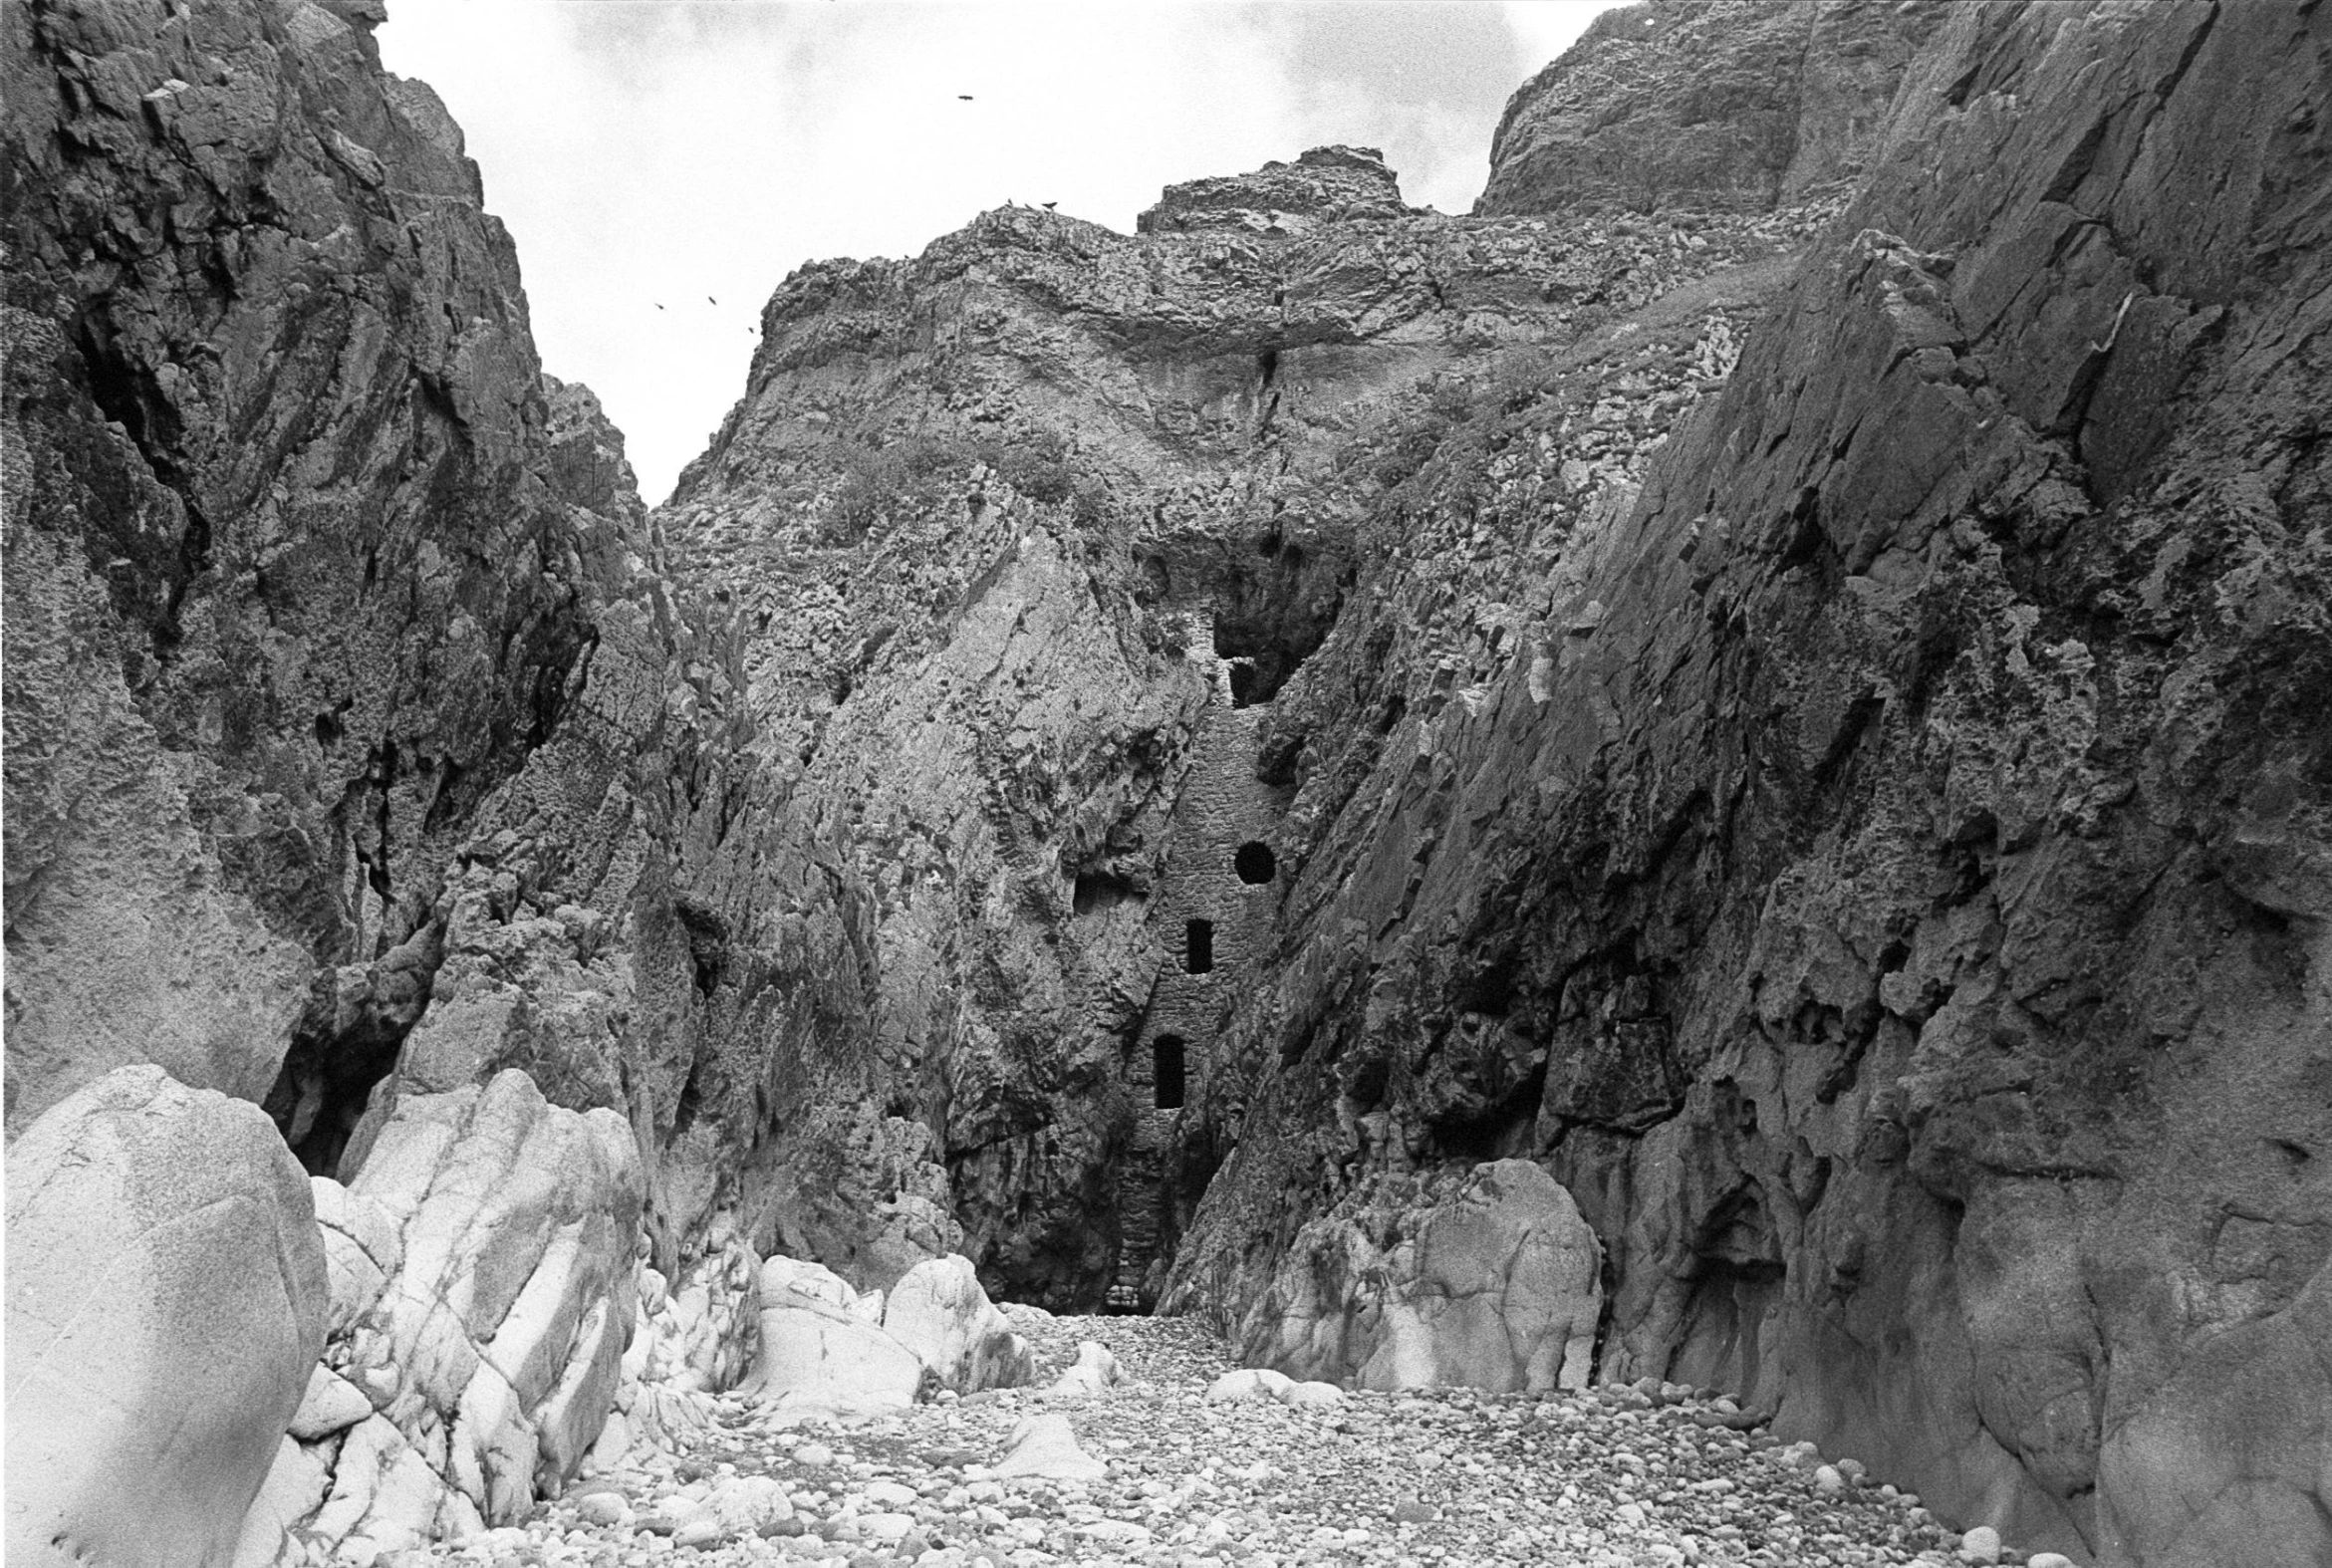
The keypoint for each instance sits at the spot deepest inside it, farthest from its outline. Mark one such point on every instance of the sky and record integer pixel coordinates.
(663, 163)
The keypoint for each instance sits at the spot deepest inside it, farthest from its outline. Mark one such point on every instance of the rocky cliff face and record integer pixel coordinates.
(274, 435)
(1886, 884)
(1723, 104)
(1027, 534)
(339, 692)
(1803, 721)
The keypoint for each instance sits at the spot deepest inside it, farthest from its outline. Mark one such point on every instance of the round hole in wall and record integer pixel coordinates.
(1255, 862)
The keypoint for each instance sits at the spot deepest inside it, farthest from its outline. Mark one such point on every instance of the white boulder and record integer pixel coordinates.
(1094, 1370)
(938, 1310)
(1045, 1448)
(166, 1295)
(821, 1345)
(1247, 1383)
(481, 1297)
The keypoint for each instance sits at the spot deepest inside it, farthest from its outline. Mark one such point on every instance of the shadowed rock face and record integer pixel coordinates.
(340, 694)
(289, 595)
(1887, 890)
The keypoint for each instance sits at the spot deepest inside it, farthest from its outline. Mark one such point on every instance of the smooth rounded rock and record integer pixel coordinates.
(167, 1297)
(1094, 1370)
(1247, 1383)
(602, 1507)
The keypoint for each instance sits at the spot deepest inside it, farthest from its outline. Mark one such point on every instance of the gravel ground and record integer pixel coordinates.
(1426, 1480)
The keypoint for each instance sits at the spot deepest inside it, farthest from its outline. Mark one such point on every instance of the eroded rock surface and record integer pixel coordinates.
(1022, 534)
(1127, 747)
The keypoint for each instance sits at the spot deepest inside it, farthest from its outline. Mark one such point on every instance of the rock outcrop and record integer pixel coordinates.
(822, 1348)
(483, 1284)
(938, 1311)
(1690, 105)
(1774, 674)
(289, 594)
(1325, 185)
(357, 746)
(1486, 1279)
(165, 1307)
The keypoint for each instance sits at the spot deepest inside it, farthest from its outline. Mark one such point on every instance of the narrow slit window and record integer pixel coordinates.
(1166, 1061)
(1199, 947)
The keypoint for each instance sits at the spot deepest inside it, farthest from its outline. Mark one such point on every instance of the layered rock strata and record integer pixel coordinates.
(482, 1295)
(288, 590)
(1130, 747)
(343, 691)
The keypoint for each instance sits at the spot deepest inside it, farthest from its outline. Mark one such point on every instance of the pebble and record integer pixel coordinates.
(1190, 1463)
(1981, 1545)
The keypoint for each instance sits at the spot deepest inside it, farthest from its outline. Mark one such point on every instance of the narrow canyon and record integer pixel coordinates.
(1703, 796)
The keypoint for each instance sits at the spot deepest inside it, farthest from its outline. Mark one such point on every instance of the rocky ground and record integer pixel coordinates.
(1611, 1476)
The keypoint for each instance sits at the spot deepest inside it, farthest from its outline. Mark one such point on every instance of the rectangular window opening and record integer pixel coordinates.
(1166, 1059)
(1199, 947)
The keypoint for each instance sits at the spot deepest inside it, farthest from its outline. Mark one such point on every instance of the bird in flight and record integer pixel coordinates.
(659, 306)
(963, 98)
(1049, 205)
(709, 300)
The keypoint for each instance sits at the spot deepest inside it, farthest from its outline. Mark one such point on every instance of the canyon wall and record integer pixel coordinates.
(1887, 886)
(341, 693)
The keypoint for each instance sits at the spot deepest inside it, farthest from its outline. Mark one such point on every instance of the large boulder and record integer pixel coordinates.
(1488, 1280)
(482, 1294)
(166, 1308)
(938, 1310)
(823, 1344)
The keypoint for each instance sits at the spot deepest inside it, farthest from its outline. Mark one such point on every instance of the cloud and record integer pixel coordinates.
(650, 152)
